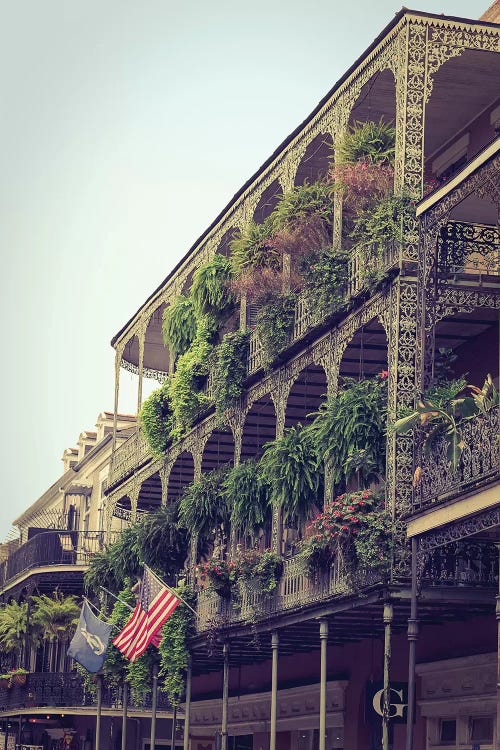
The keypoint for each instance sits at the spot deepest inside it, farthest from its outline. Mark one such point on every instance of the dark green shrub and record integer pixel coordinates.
(156, 419)
(179, 325)
(230, 369)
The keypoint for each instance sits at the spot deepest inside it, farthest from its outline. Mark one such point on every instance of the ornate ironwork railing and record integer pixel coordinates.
(465, 248)
(255, 360)
(58, 689)
(457, 564)
(479, 461)
(52, 548)
(129, 455)
(295, 589)
(462, 564)
(367, 263)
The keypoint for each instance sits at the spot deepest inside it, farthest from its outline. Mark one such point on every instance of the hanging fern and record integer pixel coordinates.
(55, 616)
(13, 624)
(209, 293)
(156, 420)
(291, 467)
(116, 564)
(248, 496)
(303, 202)
(179, 325)
(160, 544)
(252, 249)
(173, 648)
(349, 432)
(372, 141)
(230, 369)
(204, 506)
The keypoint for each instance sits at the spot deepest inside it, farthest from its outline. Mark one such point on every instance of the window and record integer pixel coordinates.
(447, 731)
(481, 729)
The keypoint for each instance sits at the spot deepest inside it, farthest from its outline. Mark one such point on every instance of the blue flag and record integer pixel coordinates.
(90, 641)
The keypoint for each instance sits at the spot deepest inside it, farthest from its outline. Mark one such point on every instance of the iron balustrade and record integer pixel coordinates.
(295, 589)
(466, 248)
(369, 262)
(479, 461)
(66, 689)
(50, 548)
(131, 454)
(457, 564)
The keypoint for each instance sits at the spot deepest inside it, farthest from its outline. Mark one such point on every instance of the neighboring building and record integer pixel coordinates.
(57, 536)
(306, 666)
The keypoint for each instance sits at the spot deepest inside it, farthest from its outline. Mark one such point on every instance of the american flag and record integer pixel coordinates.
(154, 606)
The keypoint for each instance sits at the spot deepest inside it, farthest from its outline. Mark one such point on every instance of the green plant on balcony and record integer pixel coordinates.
(13, 628)
(186, 384)
(248, 497)
(275, 325)
(179, 325)
(115, 663)
(13, 678)
(291, 468)
(251, 249)
(209, 292)
(173, 648)
(260, 570)
(55, 616)
(349, 432)
(160, 543)
(221, 575)
(441, 412)
(370, 141)
(204, 508)
(138, 674)
(112, 567)
(355, 527)
(156, 419)
(325, 275)
(230, 370)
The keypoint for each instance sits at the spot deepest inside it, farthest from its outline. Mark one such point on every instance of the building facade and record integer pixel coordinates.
(354, 658)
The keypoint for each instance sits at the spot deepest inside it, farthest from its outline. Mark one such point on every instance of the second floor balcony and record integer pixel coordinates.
(50, 549)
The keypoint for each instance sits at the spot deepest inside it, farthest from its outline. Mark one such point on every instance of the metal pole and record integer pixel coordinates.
(154, 700)
(497, 612)
(323, 636)
(187, 708)
(124, 714)
(6, 736)
(98, 713)
(274, 688)
(412, 646)
(174, 722)
(225, 696)
(388, 614)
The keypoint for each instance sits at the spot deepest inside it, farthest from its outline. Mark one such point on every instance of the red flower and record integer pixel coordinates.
(383, 374)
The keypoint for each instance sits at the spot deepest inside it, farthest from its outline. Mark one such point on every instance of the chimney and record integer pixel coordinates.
(493, 13)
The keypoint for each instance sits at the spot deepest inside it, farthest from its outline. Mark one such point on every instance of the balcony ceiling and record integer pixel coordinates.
(463, 87)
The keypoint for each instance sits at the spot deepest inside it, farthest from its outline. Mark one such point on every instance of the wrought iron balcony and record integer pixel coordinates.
(130, 455)
(295, 589)
(368, 264)
(51, 548)
(465, 249)
(457, 564)
(64, 689)
(479, 462)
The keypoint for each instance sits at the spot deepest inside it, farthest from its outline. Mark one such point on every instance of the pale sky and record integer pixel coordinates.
(126, 126)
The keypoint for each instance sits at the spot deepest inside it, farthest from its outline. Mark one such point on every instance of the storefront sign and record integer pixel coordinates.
(398, 702)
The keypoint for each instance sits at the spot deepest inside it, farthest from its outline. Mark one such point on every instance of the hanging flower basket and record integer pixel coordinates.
(18, 680)
(221, 574)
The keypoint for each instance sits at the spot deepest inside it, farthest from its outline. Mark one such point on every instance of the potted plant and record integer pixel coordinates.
(260, 570)
(221, 574)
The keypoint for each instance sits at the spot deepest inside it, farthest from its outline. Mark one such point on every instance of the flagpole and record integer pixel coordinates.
(98, 714)
(174, 722)
(154, 698)
(126, 604)
(172, 591)
(187, 708)
(124, 714)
